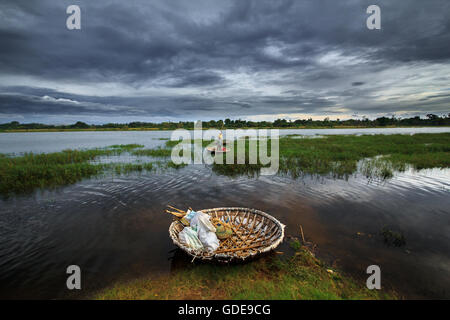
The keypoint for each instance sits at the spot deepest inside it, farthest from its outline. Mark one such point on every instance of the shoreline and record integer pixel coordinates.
(191, 129)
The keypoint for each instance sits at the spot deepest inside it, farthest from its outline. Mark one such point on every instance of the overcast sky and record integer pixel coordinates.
(176, 60)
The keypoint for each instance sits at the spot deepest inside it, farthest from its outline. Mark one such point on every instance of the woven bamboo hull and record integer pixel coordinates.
(255, 233)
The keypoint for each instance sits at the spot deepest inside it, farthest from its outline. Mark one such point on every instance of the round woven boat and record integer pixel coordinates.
(254, 232)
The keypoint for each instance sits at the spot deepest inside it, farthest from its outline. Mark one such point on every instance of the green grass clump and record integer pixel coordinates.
(126, 147)
(30, 171)
(166, 150)
(126, 168)
(161, 152)
(301, 276)
(295, 244)
(393, 238)
(173, 165)
(158, 152)
(26, 178)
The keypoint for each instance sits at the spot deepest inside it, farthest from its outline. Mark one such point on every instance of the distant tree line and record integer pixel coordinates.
(430, 120)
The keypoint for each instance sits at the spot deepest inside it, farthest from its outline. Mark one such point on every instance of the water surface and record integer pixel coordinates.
(114, 226)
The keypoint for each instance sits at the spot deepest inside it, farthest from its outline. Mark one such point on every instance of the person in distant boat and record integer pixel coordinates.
(219, 143)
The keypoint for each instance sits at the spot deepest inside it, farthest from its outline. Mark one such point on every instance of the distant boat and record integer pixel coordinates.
(214, 150)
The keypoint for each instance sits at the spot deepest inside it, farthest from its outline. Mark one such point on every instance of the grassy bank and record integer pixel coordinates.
(301, 276)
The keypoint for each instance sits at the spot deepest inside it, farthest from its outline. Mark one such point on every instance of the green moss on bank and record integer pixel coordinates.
(301, 276)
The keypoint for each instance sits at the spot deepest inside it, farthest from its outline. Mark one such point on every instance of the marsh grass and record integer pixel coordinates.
(164, 151)
(126, 147)
(301, 276)
(126, 168)
(393, 238)
(340, 155)
(173, 165)
(157, 152)
(30, 171)
(375, 156)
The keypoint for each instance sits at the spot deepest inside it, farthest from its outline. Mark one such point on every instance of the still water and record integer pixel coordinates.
(114, 227)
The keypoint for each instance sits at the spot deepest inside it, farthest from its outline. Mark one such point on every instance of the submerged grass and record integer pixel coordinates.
(125, 168)
(301, 276)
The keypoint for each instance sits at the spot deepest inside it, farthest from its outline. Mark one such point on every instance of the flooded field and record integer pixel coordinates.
(114, 227)
(57, 141)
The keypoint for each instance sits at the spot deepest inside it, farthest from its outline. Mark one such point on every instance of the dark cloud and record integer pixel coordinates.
(198, 79)
(202, 58)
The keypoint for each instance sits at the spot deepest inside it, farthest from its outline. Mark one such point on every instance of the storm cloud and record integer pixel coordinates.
(203, 59)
